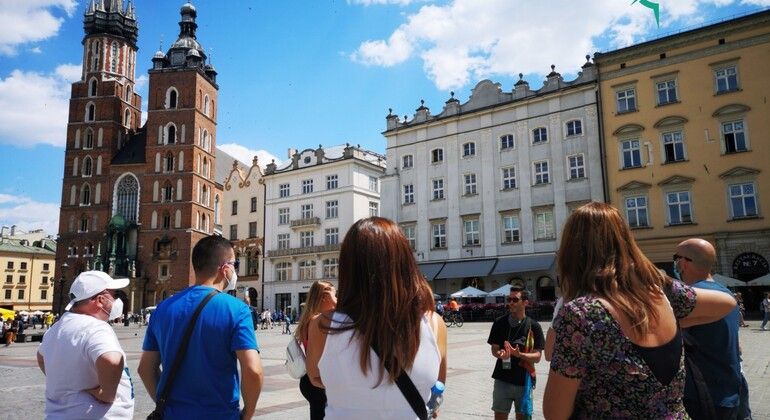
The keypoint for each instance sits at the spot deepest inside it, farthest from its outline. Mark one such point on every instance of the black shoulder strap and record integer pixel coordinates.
(161, 403)
(410, 392)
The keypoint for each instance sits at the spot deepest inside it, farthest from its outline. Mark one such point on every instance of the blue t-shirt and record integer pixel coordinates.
(207, 384)
(717, 355)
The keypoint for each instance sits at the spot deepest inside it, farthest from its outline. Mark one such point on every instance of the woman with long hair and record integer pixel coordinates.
(321, 298)
(384, 325)
(618, 349)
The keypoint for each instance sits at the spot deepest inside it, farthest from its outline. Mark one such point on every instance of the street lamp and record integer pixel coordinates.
(61, 288)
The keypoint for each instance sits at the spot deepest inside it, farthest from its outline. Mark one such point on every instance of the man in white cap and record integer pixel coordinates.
(84, 366)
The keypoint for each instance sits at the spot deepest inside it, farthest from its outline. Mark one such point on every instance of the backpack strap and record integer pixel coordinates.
(407, 388)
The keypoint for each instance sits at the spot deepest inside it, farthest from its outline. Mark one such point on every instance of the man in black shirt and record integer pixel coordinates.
(508, 339)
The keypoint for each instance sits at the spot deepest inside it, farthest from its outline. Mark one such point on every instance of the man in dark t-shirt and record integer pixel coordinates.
(508, 341)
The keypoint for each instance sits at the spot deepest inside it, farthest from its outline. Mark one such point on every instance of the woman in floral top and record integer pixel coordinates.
(618, 351)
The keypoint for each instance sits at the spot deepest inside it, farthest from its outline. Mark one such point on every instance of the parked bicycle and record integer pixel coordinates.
(453, 318)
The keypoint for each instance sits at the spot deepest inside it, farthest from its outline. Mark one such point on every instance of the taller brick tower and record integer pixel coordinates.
(136, 200)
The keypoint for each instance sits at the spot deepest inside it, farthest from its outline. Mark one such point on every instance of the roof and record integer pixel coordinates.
(132, 151)
(15, 245)
(224, 166)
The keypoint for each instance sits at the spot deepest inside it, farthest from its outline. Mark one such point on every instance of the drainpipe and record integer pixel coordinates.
(602, 151)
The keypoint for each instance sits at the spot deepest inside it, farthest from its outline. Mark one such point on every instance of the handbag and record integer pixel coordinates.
(160, 404)
(295, 359)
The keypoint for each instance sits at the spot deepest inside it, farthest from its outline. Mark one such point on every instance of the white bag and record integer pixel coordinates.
(295, 360)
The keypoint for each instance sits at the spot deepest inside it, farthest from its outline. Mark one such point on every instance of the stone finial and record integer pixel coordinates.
(452, 94)
(255, 161)
(390, 111)
(588, 57)
(553, 67)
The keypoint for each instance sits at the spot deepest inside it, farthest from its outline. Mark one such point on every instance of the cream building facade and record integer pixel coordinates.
(311, 202)
(687, 133)
(29, 274)
(482, 189)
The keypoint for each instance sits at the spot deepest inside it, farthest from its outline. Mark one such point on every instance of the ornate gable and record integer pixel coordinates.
(676, 180)
(634, 185)
(738, 171)
(628, 129)
(731, 109)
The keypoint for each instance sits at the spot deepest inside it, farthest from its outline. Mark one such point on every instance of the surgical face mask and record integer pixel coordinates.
(117, 309)
(231, 281)
(677, 273)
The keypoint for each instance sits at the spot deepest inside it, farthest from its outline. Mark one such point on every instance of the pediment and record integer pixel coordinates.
(634, 185)
(738, 171)
(673, 120)
(731, 109)
(628, 129)
(676, 180)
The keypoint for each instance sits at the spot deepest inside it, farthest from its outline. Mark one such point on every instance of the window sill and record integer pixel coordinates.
(630, 111)
(736, 152)
(508, 189)
(439, 162)
(545, 239)
(740, 219)
(536, 143)
(542, 184)
(472, 245)
(672, 162)
(507, 149)
(640, 227)
(439, 249)
(668, 103)
(681, 224)
(628, 168)
(726, 92)
(469, 156)
(437, 199)
(511, 243)
(408, 204)
(470, 194)
(409, 168)
(573, 136)
(578, 179)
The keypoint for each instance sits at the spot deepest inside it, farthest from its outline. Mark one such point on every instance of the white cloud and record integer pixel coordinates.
(245, 155)
(28, 214)
(36, 50)
(36, 106)
(140, 82)
(380, 2)
(468, 40)
(27, 21)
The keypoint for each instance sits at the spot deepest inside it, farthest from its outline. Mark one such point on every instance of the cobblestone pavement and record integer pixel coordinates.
(468, 394)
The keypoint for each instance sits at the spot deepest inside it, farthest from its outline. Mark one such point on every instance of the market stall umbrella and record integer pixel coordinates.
(469, 292)
(760, 281)
(38, 313)
(728, 281)
(23, 313)
(503, 290)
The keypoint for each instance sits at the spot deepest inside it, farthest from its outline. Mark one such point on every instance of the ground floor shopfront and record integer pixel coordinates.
(289, 294)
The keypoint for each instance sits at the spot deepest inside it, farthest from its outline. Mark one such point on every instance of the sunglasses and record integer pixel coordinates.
(236, 264)
(677, 256)
(514, 300)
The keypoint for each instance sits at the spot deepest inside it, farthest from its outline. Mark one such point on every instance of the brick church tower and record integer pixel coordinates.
(135, 200)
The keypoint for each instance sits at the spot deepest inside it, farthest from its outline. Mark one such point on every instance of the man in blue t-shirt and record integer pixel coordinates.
(716, 351)
(206, 384)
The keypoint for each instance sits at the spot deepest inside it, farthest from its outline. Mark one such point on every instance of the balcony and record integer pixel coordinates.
(308, 221)
(303, 250)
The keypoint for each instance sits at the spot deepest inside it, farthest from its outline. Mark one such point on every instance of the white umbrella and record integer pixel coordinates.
(761, 281)
(728, 281)
(23, 313)
(38, 313)
(469, 292)
(503, 290)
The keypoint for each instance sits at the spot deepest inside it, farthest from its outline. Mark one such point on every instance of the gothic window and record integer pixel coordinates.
(206, 105)
(171, 134)
(83, 223)
(216, 208)
(169, 163)
(90, 112)
(166, 220)
(168, 193)
(205, 168)
(114, 57)
(96, 52)
(92, 88)
(127, 118)
(171, 98)
(87, 166)
(127, 194)
(88, 143)
(85, 195)
(129, 94)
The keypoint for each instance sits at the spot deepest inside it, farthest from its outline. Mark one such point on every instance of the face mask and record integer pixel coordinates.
(677, 273)
(117, 309)
(231, 282)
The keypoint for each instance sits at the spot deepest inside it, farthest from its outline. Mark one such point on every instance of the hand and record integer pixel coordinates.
(503, 354)
(95, 393)
(245, 415)
(515, 352)
(435, 414)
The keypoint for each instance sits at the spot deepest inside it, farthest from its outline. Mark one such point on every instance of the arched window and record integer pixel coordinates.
(170, 134)
(127, 118)
(87, 166)
(90, 112)
(127, 198)
(168, 192)
(96, 52)
(166, 220)
(85, 195)
(88, 142)
(171, 98)
(114, 57)
(205, 196)
(205, 140)
(205, 170)
(206, 105)
(204, 223)
(169, 163)
(83, 223)
(216, 208)
(92, 87)
(129, 95)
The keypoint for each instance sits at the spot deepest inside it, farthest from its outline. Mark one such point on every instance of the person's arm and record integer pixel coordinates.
(441, 340)
(710, 306)
(531, 357)
(149, 371)
(41, 362)
(559, 397)
(109, 369)
(550, 340)
(315, 348)
(251, 380)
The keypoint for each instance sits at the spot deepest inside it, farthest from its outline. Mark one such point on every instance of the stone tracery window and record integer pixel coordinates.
(127, 193)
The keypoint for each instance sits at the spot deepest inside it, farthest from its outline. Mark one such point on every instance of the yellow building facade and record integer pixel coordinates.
(28, 274)
(686, 137)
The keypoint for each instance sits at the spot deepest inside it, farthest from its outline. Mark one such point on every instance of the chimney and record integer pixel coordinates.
(13, 230)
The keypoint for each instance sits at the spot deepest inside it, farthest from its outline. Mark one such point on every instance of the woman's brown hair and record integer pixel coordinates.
(384, 293)
(598, 256)
(312, 307)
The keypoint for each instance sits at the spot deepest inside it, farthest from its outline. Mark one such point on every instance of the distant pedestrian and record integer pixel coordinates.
(287, 322)
(741, 308)
(206, 384)
(765, 306)
(86, 376)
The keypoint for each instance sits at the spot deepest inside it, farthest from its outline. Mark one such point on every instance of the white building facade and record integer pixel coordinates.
(311, 202)
(483, 189)
(242, 217)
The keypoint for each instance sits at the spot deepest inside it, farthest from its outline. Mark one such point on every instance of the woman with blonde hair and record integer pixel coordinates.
(384, 326)
(618, 349)
(321, 298)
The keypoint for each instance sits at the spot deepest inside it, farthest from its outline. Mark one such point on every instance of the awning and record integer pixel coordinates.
(524, 263)
(472, 268)
(760, 281)
(728, 281)
(429, 270)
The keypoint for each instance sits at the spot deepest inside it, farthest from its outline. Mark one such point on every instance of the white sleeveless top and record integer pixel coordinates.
(351, 394)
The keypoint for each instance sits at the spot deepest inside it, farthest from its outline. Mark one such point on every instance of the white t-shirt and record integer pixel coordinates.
(70, 349)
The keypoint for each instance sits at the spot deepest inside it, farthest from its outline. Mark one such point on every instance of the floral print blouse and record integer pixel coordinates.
(615, 380)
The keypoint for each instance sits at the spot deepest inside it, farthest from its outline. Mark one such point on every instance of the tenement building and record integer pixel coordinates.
(136, 199)
(482, 189)
(243, 217)
(312, 199)
(686, 133)
(29, 273)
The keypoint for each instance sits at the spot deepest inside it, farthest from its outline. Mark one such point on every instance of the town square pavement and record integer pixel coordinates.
(468, 394)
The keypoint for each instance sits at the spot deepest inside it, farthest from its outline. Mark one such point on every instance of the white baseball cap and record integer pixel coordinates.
(90, 283)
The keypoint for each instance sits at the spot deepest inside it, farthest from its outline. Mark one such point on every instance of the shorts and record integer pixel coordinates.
(506, 394)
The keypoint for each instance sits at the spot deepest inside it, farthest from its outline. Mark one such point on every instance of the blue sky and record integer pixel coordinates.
(303, 73)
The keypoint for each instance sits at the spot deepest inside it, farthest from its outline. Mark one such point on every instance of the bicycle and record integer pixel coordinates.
(453, 318)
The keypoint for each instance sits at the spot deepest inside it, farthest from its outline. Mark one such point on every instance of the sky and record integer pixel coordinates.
(303, 73)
